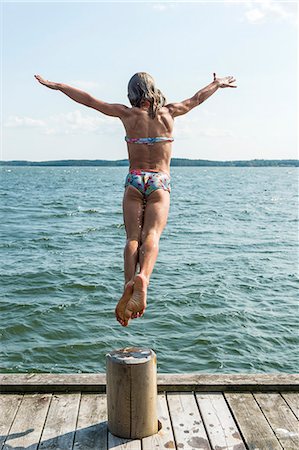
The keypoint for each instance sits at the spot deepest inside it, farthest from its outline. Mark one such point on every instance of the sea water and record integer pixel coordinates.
(222, 297)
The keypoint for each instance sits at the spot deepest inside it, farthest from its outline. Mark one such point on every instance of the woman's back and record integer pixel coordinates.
(139, 124)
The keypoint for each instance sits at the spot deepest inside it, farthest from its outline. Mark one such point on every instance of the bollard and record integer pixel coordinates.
(131, 378)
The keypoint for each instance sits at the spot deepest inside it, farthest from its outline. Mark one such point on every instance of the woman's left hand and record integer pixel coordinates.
(49, 84)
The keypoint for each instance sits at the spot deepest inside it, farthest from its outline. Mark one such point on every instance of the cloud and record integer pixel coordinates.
(159, 7)
(23, 122)
(254, 15)
(71, 123)
(162, 6)
(76, 122)
(189, 127)
(207, 112)
(215, 132)
(264, 10)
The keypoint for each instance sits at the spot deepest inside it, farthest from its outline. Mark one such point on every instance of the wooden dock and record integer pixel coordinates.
(196, 412)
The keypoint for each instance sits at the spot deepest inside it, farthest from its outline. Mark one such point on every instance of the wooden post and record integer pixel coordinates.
(131, 375)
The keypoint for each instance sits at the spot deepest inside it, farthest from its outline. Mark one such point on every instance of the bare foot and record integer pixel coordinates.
(137, 303)
(121, 305)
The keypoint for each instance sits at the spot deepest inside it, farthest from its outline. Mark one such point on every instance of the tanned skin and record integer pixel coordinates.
(144, 222)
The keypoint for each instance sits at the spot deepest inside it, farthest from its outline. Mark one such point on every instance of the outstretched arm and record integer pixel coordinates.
(110, 109)
(178, 109)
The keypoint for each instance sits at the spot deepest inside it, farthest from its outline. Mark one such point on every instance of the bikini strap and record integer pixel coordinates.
(149, 140)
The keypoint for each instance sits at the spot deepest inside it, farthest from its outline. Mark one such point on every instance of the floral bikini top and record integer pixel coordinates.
(148, 141)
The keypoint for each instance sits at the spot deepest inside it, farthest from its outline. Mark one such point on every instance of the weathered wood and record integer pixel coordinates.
(46, 382)
(40, 383)
(188, 428)
(164, 438)
(91, 431)
(228, 382)
(220, 425)
(132, 392)
(258, 417)
(60, 423)
(118, 443)
(292, 399)
(144, 419)
(281, 419)
(28, 422)
(254, 427)
(9, 404)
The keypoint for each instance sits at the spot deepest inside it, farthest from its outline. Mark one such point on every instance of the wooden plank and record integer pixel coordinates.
(228, 382)
(19, 383)
(119, 443)
(9, 404)
(254, 427)
(220, 425)
(46, 382)
(60, 423)
(29, 421)
(91, 431)
(281, 418)
(292, 399)
(188, 427)
(164, 438)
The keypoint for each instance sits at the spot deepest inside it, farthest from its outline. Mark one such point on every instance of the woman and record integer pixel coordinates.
(149, 125)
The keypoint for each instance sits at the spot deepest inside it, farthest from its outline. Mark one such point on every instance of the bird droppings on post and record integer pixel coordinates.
(131, 355)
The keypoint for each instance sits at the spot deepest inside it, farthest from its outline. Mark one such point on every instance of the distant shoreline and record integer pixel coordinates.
(181, 162)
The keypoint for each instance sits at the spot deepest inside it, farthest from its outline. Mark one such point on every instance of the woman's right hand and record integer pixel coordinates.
(225, 82)
(49, 84)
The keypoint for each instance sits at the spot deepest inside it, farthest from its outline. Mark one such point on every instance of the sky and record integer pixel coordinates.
(98, 46)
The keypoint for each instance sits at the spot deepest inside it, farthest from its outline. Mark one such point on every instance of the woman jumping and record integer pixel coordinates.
(149, 125)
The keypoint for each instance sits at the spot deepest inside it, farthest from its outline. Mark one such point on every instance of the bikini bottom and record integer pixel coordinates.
(148, 181)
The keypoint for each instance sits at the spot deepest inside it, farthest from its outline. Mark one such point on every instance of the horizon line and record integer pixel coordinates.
(125, 159)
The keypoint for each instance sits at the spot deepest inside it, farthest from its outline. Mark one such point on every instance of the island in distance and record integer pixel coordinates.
(174, 162)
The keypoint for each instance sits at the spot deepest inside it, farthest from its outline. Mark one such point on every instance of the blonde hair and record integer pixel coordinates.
(142, 87)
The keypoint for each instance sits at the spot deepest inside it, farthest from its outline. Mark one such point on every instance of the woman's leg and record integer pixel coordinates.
(155, 219)
(133, 209)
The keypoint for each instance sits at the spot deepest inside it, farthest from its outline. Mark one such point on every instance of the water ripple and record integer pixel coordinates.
(222, 296)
